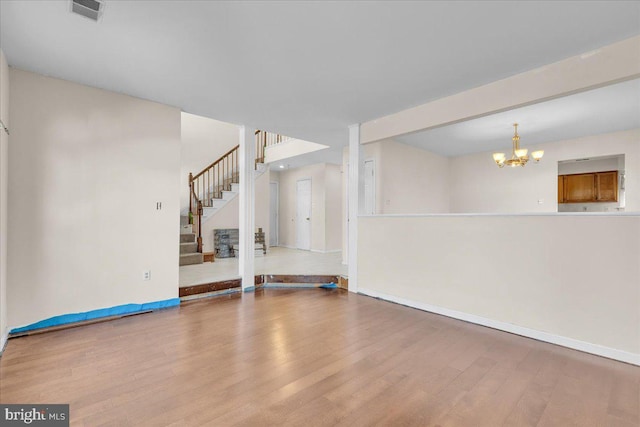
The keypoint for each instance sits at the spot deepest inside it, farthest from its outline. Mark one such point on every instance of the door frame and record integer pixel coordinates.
(310, 210)
(373, 185)
(277, 230)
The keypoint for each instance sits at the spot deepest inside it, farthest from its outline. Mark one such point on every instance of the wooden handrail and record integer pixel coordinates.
(216, 162)
(208, 184)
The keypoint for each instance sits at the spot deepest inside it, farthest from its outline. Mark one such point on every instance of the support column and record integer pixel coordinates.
(354, 203)
(247, 161)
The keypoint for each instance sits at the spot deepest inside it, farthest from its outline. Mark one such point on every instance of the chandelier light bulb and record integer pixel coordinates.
(537, 155)
(519, 155)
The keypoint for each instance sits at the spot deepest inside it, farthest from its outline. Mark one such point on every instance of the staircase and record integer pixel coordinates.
(189, 249)
(211, 189)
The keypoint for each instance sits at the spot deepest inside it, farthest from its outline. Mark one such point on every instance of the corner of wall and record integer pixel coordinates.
(4, 189)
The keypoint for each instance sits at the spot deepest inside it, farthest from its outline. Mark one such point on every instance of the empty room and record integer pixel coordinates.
(323, 213)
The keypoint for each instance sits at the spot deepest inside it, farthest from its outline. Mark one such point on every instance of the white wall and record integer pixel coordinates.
(326, 226)
(478, 186)
(4, 189)
(412, 180)
(345, 205)
(569, 278)
(333, 208)
(408, 179)
(290, 148)
(593, 165)
(87, 168)
(228, 216)
(287, 222)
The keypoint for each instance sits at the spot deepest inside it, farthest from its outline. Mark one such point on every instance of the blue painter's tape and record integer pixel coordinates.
(329, 286)
(118, 310)
(250, 289)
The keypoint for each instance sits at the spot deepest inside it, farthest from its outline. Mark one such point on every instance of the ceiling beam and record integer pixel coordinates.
(608, 65)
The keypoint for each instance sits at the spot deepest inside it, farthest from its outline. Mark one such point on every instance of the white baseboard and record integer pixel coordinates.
(611, 353)
(332, 251)
(313, 250)
(4, 337)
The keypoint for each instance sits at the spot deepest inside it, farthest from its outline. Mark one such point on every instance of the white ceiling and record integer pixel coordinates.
(608, 109)
(304, 69)
(332, 155)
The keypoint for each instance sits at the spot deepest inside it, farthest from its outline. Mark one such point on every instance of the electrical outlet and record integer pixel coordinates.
(146, 275)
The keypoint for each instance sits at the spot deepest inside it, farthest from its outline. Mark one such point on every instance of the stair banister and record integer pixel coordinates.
(208, 184)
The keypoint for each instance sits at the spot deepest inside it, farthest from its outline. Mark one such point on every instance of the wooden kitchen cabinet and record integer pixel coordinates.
(607, 186)
(580, 188)
(588, 187)
(560, 189)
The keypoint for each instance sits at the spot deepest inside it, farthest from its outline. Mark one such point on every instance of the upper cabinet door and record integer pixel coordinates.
(607, 186)
(580, 188)
(560, 189)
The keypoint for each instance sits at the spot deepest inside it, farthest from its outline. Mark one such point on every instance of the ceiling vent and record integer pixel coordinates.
(91, 9)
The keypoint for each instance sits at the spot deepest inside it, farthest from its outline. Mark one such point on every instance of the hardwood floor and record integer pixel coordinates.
(313, 357)
(278, 260)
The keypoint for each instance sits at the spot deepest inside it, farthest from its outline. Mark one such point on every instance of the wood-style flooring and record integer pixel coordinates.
(278, 260)
(313, 358)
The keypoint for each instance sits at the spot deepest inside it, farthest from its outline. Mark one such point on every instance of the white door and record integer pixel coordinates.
(303, 214)
(369, 187)
(273, 214)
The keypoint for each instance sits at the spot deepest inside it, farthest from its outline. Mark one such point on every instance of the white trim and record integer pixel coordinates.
(345, 211)
(354, 201)
(501, 214)
(373, 183)
(247, 212)
(277, 233)
(311, 250)
(288, 247)
(310, 212)
(611, 353)
(4, 338)
(332, 251)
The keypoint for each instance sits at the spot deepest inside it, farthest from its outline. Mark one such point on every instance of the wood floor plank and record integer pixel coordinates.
(316, 357)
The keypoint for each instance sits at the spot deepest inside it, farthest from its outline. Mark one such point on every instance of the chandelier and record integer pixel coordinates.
(519, 155)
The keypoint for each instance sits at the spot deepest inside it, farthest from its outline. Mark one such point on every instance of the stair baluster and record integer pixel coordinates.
(208, 185)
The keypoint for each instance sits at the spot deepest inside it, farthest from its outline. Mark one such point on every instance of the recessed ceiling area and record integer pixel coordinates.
(304, 69)
(608, 109)
(331, 155)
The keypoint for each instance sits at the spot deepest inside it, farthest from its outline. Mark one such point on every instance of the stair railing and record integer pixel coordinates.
(266, 139)
(207, 185)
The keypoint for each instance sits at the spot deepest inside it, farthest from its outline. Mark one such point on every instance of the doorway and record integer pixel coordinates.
(303, 214)
(274, 203)
(369, 187)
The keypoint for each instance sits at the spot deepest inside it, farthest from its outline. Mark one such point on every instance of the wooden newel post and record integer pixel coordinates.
(190, 198)
(200, 210)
